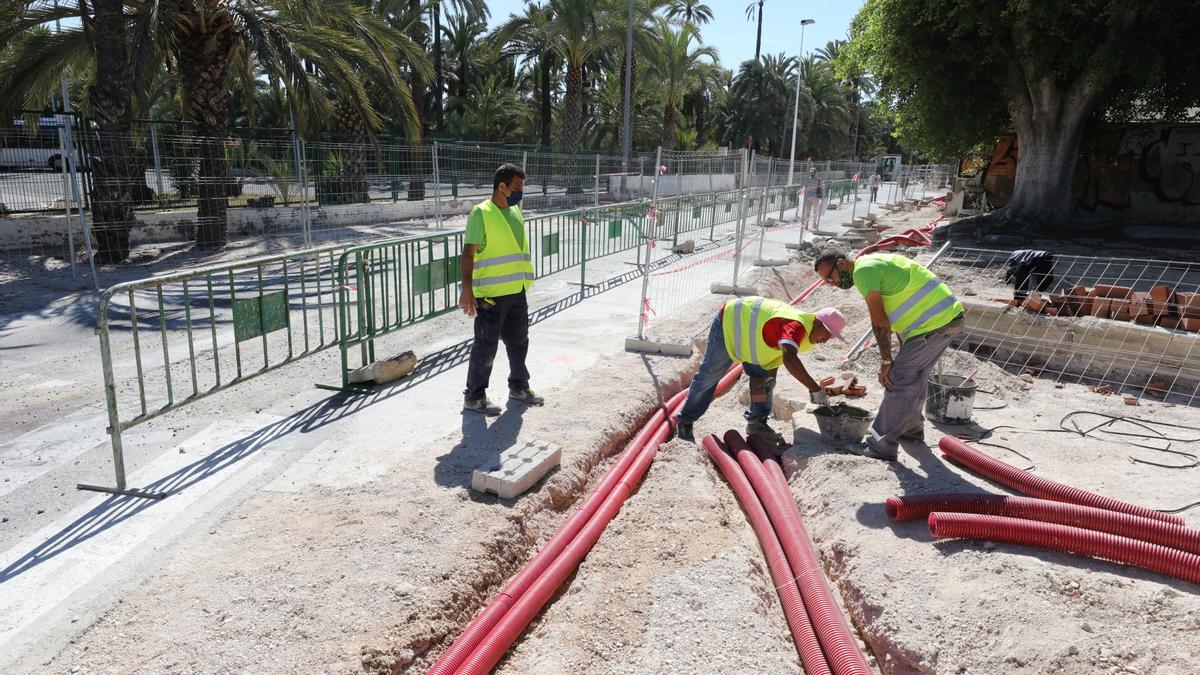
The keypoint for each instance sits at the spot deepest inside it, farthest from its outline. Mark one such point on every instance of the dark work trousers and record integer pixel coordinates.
(504, 318)
(1035, 275)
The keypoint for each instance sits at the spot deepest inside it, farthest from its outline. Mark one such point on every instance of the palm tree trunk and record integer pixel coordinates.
(574, 123)
(439, 82)
(758, 40)
(668, 131)
(416, 184)
(111, 99)
(544, 121)
(206, 42)
(353, 186)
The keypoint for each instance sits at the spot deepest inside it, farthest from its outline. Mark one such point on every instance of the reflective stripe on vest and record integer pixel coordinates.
(503, 267)
(925, 304)
(742, 324)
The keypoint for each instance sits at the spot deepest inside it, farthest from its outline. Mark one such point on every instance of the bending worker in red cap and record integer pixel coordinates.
(761, 334)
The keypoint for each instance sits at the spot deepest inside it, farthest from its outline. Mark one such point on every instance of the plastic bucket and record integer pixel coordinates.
(951, 399)
(842, 425)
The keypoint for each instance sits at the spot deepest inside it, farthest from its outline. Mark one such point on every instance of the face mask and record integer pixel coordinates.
(845, 279)
(515, 197)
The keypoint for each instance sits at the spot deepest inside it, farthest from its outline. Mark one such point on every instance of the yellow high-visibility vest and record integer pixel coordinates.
(504, 267)
(924, 305)
(742, 322)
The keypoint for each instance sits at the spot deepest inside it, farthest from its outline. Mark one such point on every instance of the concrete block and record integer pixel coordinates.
(771, 262)
(726, 289)
(517, 469)
(387, 370)
(655, 345)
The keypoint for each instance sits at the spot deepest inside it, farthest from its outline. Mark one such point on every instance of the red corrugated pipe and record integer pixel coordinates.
(913, 507)
(1153, 557)
(841, 649)
(781, 573)
(487, 619)
(1037, 486)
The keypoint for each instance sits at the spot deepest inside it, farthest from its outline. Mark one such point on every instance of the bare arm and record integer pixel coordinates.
(466, 299)
(880, 326)
(791, 361)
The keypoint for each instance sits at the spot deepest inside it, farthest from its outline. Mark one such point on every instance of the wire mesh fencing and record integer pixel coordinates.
(1120, 325)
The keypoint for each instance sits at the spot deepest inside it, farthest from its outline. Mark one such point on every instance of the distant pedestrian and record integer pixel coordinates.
(876, 181)
(496, 273)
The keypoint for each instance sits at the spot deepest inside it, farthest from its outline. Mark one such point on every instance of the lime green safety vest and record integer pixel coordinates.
(503, 267)
(743, 321)
(924, 305)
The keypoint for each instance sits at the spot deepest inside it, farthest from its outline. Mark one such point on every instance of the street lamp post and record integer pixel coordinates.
(796, 108)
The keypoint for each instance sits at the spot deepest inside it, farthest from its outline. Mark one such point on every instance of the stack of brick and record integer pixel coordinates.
(1162, 306)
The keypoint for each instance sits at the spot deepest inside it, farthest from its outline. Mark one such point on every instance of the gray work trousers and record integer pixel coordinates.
(903, 402)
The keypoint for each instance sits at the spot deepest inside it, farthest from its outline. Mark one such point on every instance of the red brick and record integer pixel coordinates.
(1101, 307)
(1120, 310)
(1189, 305)
(1162, 297)
(1035, 303)
(1107, 291)
(1190, 323)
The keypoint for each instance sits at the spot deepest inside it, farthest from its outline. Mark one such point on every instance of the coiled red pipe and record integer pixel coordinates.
(839, 646)
(1169, 561)
(912, 507)
(1037, 486)
(781, 573)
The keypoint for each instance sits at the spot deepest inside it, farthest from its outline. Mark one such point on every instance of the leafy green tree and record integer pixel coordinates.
(956, 73)
(755, 114)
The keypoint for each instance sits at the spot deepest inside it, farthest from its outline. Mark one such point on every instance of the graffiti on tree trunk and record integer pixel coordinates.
(1138, 168)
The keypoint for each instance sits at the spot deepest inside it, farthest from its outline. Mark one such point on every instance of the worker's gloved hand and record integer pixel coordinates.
(819, 397)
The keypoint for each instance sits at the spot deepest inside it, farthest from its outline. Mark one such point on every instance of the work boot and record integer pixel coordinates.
(764, 431)
(916, 434)
(865, 449)
(683, 430)
(526, 396)
(481, 405)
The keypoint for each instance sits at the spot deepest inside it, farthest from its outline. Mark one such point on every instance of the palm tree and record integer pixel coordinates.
(759, 100)
(474, 8)
(29, 70)
(675, 64)
(853, 76)
(755, 10)
(577, 33)
(827, 121)
(323, 52)
(529, 36)
(688, 11)
(462, 34)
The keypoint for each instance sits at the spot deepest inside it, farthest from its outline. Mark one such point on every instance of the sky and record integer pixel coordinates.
(733, 35)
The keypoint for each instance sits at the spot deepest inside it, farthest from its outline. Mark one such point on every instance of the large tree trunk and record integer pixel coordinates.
(1049, 122)
(573, 129)
(352, 187)
(206, 43)
(112, 169)
(632, 99)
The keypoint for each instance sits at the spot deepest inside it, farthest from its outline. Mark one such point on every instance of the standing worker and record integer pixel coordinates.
(903, 297)
(876, 181)
(761, 334)
(496, 273)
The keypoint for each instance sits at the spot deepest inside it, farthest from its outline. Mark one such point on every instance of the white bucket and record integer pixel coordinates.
(951, 399)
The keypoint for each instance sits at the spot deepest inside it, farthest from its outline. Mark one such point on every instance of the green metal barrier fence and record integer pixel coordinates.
(234, 322)
(237, 321)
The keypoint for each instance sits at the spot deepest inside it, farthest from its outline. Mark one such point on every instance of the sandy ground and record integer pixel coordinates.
(381, 572)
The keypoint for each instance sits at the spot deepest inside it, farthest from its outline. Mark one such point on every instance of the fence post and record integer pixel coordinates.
(62, 153)
(73, 166)
(583, 225)
(747, 161)
(437, 188)
(158, 178)
(597, 200)
(646, 268)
